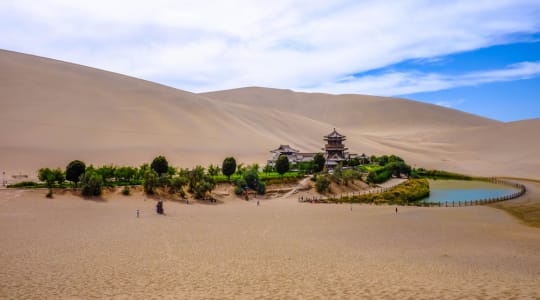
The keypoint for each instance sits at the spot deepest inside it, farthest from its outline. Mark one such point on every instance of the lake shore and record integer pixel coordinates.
(68, 247)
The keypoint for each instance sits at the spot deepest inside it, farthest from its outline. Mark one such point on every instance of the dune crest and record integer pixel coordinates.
(53, 112)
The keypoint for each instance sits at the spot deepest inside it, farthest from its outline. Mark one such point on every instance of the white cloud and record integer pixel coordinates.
(209, 45)
(401, 83)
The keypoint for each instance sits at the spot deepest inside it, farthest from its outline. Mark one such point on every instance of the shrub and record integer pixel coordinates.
(251, 178)
(107, 174)
(177, 183)
(441, 174)
(213, 170)
(238, 190)
(91, 183)
(125, 173)
(150, 181)
(410, 191)
(261, 188)
(322, 184)
(24, 184)
(199, 182)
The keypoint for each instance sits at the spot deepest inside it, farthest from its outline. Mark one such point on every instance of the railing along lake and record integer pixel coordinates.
(521, 189)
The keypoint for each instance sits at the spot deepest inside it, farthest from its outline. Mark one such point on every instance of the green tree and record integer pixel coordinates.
(107, 174)
(160, 165)
(282, 165)
(322, 184)
(59, 176)
(171, 171)
(241, 169)
(150, 181)
(213, 170)
(371, 178)
(177, 184)
(354, 162)
(268, 169)
(228, 167)
(125, 173)
(255, 167)
(46, 175)
(74, 170)
(252, 179)
(200, 183)
(318, 162)
(91, 183)
(141, 171)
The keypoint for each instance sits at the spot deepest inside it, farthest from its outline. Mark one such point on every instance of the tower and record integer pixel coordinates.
(334, 148)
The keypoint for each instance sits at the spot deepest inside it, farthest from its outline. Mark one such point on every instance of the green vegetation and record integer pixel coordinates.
(200, 183)
(318, 162)
(160, 165)
(213, 170)
(51, 176)
(228, 167)
(150, 182)
(91, 183)
(126, 191)
(386, 167)
(74, 170)
(282, 165)
(438, 174)
(322, 184)
(410, 191)
(250, 179)
(25, 184)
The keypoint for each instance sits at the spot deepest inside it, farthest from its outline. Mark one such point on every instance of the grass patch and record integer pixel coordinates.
(439, 174)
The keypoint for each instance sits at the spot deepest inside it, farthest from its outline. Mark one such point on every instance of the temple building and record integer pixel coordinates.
(292, 154)
(334, 152)
(334, 149)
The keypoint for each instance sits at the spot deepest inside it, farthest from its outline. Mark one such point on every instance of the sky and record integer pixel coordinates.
(482, 57)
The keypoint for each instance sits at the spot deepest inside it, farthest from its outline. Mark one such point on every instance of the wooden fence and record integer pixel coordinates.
(521, 191)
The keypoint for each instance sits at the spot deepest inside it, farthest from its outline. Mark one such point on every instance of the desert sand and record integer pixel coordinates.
(68, 247)
(54, 112)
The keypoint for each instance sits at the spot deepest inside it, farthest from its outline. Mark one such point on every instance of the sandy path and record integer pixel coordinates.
(72, 248)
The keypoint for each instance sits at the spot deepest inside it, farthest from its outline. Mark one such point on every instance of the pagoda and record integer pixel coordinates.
(334, 149)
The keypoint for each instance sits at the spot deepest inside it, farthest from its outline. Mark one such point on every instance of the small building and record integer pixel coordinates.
(292, 154)
(334, 152)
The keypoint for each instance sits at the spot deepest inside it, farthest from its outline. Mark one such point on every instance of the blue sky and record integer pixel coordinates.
(481, 57)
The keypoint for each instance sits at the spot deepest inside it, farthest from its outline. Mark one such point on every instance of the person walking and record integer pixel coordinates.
(396, 209)
(257, 202)
(137, 213)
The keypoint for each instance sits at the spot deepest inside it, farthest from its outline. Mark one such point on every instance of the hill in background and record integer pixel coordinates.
(53, 112)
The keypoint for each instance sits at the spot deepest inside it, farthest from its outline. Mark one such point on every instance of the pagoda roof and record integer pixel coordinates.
(285, 149)
(334, 134)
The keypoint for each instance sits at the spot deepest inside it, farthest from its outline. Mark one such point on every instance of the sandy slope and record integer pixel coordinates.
(53, 112)
(73, 248)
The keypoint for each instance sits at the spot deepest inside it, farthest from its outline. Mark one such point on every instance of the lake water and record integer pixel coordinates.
(462, 190)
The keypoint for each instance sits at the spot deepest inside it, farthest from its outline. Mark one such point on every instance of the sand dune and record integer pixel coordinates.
(67, 247)
(53, 112)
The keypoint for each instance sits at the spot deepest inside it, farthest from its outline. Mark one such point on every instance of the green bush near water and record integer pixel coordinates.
(439, 174)
(410, 191)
